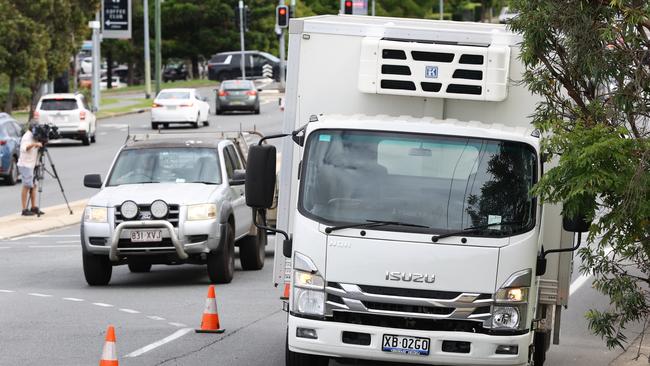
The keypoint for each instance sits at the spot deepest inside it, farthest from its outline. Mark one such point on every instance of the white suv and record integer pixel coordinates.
(70, 113)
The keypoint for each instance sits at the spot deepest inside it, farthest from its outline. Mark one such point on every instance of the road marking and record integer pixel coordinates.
(7, 291)
(180, 325)
(73, 299)
(179, 333)
(55, 236)
(38, 295)
(53, 246)
(103, 305)
(153, 317)
(130, 311)
(5, 247)
(67, 241)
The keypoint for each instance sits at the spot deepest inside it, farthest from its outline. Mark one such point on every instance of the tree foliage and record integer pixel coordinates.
(590, 63)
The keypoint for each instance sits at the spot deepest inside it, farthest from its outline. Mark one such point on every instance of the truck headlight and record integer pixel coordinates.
(308, 287)
(505, 317)
(515, 294)
(205, 211)
(96, 214)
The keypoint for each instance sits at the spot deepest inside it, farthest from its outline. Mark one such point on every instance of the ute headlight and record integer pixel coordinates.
(505, 317)
(129, 210)
(159, 209)
(96, 214)
(204, 211)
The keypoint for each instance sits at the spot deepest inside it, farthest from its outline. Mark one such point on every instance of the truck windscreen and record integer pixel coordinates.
(440, 182)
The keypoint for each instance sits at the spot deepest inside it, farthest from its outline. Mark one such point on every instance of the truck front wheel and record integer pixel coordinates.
(221, 265)
(97, 269)
(541, 342)
(303, 359)
(252, 251)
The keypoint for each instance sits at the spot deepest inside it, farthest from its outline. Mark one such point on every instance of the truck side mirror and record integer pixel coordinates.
(93, 181)
(577, 224)
(260, 176)
(238, 177)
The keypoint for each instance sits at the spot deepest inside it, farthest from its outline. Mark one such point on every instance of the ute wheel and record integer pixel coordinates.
(85, 141)
(12, 177)
(302, 359)
(221, 266)
(252, 251)
(139, 267)
(97, 269)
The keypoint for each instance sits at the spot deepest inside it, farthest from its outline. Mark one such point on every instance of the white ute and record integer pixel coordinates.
(410, 232)
(171, 199)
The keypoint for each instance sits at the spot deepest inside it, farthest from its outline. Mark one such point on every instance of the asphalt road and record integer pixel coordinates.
(49, 314)
(72, 160)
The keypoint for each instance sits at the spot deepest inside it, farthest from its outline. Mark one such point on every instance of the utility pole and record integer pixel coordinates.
(373, 8)
(147, 52)
(442, 9)
(158, 40)
(242, 62)
(96, 56)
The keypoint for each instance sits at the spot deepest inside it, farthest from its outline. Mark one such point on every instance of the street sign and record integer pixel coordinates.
(116, 19)
(267, 71)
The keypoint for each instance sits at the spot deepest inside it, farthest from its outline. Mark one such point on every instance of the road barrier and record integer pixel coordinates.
(210, 321)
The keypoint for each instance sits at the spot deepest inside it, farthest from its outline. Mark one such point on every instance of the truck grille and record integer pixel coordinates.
(145, 214)
(408, 303)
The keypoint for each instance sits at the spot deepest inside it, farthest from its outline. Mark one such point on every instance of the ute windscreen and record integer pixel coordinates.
(441, 182)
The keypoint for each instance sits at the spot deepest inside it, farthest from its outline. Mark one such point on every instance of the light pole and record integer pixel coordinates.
(147, 52)
(442, 6)
(96, 56)
(242, 63)
(158, 40)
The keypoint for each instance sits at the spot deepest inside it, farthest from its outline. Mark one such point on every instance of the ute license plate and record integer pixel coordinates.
(139, 236)
(405, 345)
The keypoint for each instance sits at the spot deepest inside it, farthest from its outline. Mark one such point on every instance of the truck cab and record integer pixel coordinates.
(411, 235)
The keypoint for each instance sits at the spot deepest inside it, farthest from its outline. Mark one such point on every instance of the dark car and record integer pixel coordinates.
(237, 95)
(174, 72)
(227, 65)
(10, 134)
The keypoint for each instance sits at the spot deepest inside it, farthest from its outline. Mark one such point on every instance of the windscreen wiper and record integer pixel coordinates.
(473, 229)
(372, 223)
(202, 181)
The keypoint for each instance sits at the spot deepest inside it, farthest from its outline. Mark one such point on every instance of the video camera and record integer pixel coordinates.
(45, 132)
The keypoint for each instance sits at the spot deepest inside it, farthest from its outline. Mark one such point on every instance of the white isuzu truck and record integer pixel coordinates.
(410, 234)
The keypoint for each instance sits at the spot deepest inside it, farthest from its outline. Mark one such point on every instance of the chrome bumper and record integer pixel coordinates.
(180, 250)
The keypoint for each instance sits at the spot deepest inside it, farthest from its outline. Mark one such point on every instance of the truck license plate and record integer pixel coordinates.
(406, 345)
(139, 236)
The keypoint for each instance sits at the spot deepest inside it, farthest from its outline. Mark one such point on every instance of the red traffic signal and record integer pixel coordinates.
(348, 7)
(282, 16)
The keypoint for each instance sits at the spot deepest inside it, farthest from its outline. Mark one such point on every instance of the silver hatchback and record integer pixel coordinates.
(237, 95)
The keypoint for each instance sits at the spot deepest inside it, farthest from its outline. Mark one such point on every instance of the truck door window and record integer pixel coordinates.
(445, 183)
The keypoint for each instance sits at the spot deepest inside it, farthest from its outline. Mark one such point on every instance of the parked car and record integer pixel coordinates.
(116, 83)
(226, 65)
(10, 135)
(70, 113)
(169, 200)
(506, 15)
(234, 95)
(174, 72)
(179, 106)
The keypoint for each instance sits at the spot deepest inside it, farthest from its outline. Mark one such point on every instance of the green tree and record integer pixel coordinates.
(589, 61)
(23, 48)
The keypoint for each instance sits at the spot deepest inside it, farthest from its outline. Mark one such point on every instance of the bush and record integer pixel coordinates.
(22, 98)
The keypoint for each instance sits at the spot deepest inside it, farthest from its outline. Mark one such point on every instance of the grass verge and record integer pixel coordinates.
(196, 83)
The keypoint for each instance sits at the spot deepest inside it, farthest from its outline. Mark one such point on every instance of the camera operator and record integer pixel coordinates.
(26, 165)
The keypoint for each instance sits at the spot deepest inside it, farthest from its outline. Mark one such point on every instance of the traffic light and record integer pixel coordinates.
(246, 17)
(282, 16)
(347, 7)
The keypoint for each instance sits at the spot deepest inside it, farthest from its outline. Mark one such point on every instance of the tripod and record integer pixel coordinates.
(39, 176)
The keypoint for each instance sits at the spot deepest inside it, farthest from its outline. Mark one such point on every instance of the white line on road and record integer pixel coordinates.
(179, 333)
(7, 291)
(67, 241)
(73, 299)
(54, 246)
(180, 325)
(153, 317)
(103, 305)
(130, 311)
(5, 247)
(38, 295)
(55, 236)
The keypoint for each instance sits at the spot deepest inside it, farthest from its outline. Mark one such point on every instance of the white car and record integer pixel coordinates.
(506, 15)
(179, 106)
(116, 83)
(70, 113)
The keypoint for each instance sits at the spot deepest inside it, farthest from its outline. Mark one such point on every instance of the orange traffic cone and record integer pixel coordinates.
(285, 295)
(109, 353)
(210, 321)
